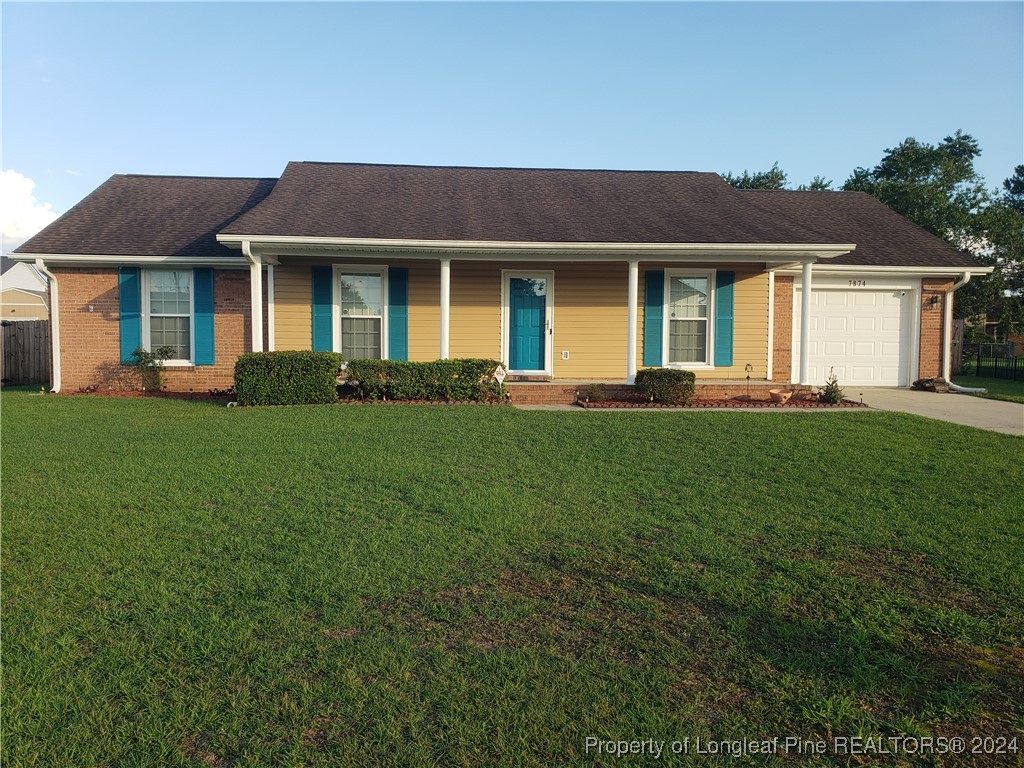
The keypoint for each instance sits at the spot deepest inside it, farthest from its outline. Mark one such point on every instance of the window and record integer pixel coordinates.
(167, 312)
(688, 312)
(362, 303)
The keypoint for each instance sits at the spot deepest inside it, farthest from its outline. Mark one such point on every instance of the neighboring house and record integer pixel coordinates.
(561, 274)
(22, 293)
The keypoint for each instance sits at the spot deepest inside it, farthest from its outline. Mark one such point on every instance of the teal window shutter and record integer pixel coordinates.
(398, 314)
(129, 291)
(724, 312)
(654, 314)
(202, 313)
(322, 316)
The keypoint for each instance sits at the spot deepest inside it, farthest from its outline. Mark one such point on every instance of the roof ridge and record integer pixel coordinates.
(498, 168)
(187, 176)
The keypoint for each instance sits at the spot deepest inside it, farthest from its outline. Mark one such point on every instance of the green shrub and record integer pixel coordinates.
(287, 378)
(831, 393)
(665, 385)
(595, 393)
(458, 379)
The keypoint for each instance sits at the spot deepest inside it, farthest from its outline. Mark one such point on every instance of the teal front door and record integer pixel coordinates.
(527, 311)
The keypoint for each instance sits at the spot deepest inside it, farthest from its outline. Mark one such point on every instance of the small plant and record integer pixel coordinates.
(595, 393)
(148, 366)
(831, 392)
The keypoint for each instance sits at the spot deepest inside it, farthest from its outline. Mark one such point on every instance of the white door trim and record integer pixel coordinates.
(549, 320)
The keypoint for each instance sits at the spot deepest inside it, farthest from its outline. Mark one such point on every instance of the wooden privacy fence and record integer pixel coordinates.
(25, 350)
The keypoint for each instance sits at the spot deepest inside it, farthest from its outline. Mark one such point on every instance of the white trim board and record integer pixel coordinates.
(549, 319)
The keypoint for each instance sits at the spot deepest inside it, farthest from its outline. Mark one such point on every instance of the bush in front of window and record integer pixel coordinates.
(287, 378)
(666, 385)
(460, 379)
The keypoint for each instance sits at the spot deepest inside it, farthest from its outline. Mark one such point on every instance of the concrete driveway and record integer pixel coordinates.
(994, 415)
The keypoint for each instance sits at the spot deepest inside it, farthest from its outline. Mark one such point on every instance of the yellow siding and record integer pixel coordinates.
(589, 313)
(475, 320)
(293, 307)
(590, 320)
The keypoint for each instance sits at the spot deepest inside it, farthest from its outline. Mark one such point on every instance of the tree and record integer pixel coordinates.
(938, 188)
(818, 184)
(1013, 189)
(935, 186)
(775, 178)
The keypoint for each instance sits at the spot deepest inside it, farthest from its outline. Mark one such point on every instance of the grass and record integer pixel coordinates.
(189, 585)
(998, 389)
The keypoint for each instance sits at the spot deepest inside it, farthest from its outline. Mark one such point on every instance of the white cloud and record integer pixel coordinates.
(73, 173)
(21, 214)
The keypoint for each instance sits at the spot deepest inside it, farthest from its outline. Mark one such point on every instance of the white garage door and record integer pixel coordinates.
(864, 335)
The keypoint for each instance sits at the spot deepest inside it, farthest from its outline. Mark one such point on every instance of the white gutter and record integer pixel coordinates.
(752, 251)
(54, 327)
(947, 325)
(255, 296)
(73, 259)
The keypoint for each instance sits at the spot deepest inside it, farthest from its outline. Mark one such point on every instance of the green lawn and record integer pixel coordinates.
(998, 389)
(185, 584)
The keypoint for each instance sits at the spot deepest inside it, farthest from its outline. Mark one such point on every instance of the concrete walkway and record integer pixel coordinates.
(994, 415)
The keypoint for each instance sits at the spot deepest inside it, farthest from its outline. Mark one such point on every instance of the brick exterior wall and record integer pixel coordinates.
(782, 361)
(932, 318)
(90, 342)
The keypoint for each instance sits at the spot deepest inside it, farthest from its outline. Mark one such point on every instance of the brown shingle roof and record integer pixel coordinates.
(510, 204)
(174, 215)
(131, 215)
(883, 237)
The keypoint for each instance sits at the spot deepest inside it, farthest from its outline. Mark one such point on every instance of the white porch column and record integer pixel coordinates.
(255, 296)
(270, 307)
(446, 284)
(805, 322)
(631, 302)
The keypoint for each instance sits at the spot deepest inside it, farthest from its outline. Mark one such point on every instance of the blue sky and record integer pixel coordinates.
(238, 89)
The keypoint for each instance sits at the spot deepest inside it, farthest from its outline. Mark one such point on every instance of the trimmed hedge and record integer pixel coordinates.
(458, 379)
(666, 385)
(287, 378)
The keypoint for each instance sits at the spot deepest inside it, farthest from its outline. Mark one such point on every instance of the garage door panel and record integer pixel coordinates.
(863, 335)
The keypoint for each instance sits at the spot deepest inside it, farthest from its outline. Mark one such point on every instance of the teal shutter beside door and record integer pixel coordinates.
(322, 316)
(654, 313)
(724, 313)
(398, 314)
(202, 307)
(129, 291)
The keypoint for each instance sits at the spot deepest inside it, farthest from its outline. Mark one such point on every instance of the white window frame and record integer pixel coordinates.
(385, 304)
(666, 328)
(147, 339)
(549, 319)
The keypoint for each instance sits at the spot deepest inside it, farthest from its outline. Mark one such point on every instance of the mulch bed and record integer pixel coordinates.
(137, 393)
(732, 402)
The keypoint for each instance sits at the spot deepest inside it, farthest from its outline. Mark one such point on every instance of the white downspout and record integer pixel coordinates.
(255, 296)
(947, 325)
(54, 327)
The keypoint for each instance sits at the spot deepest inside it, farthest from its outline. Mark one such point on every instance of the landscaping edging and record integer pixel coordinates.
(723, 403)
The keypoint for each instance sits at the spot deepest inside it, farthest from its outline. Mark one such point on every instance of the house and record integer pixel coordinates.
(22, 292)
(565, 275)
